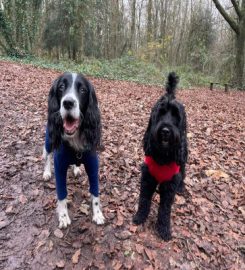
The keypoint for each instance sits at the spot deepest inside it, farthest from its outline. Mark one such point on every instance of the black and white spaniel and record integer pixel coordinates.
(73, 134)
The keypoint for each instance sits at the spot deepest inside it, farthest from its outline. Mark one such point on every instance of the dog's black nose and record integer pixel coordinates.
(165, 132)
(68, 104)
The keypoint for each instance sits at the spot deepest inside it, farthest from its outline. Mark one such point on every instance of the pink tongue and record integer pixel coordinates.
(70, 126)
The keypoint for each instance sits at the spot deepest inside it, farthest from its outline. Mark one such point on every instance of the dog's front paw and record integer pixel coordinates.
(64, 219)
(98, 218)
(46, 175)
(76, 171)
(139, 219)
(163, 232)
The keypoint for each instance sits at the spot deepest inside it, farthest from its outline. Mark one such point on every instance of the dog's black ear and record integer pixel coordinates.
(146, 139)
(54, 117)
(92, 120)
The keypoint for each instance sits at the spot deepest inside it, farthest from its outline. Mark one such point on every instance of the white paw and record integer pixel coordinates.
(98, 218)
(76, 171)
(64, 219)
(46, 175)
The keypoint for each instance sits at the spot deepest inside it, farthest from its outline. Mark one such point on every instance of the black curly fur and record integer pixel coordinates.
(90, 127)
(167, 113)
(171, 84)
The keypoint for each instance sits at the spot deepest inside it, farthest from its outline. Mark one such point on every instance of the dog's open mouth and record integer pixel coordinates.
(70, 125)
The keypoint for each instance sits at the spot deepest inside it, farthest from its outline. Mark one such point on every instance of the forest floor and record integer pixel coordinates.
(207, 223)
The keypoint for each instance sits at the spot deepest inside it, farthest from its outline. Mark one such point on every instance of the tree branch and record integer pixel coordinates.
(225, 15)
(236, 7)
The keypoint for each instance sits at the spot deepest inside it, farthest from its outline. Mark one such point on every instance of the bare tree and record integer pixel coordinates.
(132, 30)
(238, 26)
(149, 21)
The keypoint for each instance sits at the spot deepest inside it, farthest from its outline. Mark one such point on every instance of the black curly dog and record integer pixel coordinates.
(165, 143)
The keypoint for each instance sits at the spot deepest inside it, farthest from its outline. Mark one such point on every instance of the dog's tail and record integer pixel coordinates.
(171, 84)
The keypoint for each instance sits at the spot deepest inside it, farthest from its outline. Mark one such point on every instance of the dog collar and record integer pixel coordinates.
(161, 173)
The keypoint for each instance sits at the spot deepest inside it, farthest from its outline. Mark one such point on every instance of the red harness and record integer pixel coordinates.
(161, 173)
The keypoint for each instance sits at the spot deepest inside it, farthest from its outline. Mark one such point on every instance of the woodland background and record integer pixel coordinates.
(139, 40)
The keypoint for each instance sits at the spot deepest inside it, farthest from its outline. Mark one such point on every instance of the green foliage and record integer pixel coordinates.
(127, 68)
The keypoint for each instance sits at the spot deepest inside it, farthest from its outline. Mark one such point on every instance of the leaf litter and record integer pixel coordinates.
(207, 222)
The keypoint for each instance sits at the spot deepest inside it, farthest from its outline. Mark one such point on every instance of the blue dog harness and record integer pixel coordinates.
(65, 156)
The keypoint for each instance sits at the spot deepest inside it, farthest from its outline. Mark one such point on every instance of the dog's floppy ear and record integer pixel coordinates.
(92, 120)
(54, 117)
(146, 139)
(147, 136)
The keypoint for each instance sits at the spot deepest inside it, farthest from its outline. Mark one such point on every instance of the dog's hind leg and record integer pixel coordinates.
(47, 166)
(147, 189)
(91, 164)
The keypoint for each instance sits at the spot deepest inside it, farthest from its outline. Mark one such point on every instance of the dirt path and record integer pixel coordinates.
(208, 224)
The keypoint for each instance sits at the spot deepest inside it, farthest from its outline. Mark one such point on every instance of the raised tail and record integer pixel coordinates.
(171, 84)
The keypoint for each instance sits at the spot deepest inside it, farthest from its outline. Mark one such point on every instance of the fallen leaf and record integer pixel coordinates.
(39, 244)
(149, 254)
(116, 265)
(216, 174)
(120, 218)
(139, 248)
(180, 200)
(76, 256)
(133, 228)
(22, 199)
(84, 208)
(50, 246)
(9, 209)
(58, 233)
(208, 131)
(123, 235)
(3, 223)
(60, 264)
(3, 220)
(242, 210)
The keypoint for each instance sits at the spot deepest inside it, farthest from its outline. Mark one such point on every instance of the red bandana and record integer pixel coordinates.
(161, 173)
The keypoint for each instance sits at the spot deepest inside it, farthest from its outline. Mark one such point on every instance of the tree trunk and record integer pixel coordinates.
(132, 30)
(149, 21)
(238, 26)
(240, 55)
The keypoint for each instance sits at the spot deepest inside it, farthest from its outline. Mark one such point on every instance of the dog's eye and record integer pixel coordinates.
(175, 112)
(62, 87)
(83, 90)
(162, 111)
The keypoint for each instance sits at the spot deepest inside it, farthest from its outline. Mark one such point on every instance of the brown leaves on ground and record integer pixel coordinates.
(76, 256)
(216, 174)
(207, 223)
